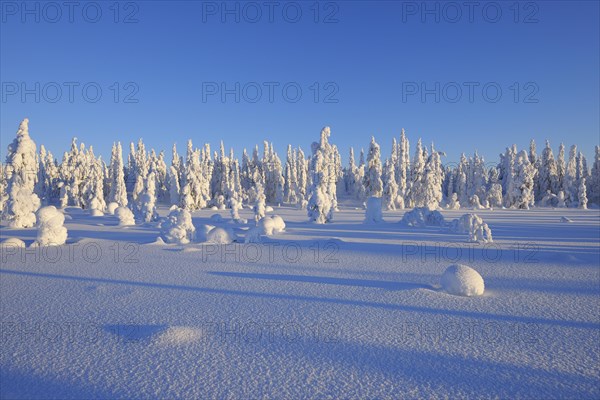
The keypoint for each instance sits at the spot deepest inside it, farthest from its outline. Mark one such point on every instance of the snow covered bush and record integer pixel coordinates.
(461, 280)
(219, 236)
(178, 227)
(51, 231)
(260, 205)
(279, 223)
(473, 225)
(475, 203)
(125, 216)
(453, 203)
(374, 212)
(22, 169)
(111, 207)
(270, 225)
(422, 216)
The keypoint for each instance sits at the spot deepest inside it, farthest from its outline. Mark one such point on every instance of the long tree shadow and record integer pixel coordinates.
(389, 285)
(347, 302)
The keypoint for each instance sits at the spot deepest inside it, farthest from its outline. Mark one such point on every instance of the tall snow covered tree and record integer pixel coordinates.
(417, 189)
(22, 169)
(594, 182)
(321, 203)
(570, 183)
(582, 196)
(390, 187)
(46, 185)
(118, 190)
(291, 177)
(403, 170)
(372, 179)
(522, 184)
(548, 173)
(350, 175)
(432, 180)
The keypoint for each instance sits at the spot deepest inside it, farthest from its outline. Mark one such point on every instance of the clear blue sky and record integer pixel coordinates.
(370, 51)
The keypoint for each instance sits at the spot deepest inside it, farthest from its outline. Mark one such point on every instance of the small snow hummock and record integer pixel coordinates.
(216, 218)
(269, 225)
(219, 236)
(565, 219)
(422, 216)
(111, 207)
(473, 225)
(13, 243)
(178, 227)
(461, 280)
(374, 213)
(51, 231)
(125, 216)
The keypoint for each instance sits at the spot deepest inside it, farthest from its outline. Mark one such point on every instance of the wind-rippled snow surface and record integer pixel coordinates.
(342, 310)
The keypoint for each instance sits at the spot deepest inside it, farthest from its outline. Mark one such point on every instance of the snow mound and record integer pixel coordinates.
(270, 225)
(461, 280)
(565, 219)
(51, 231)
(473, 225)
(374, 213)
(179, 335)
(96, 213)
(219, 236)
(111, 207)
(254, 235)
(14, 243)
(214, 208)
(159, 241)
(178, 227)
(422, 216)
(216, 218)
(268, 209)
(125, 216)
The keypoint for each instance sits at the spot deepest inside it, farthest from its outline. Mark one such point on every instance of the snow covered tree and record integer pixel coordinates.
(118, 190)
(22, 171)
(302, 171)
(548, 173)
(93, 188)
(570, 183)
(417, 189)
(147, 200)
(522, 184)
(507, 176)
(173, 184)
(432, 180)
(372, 179)
(291, 177)
(390, 187)
(46, 185)
(260, 205)
(403, 170)
(594, 182)
(582, 196)
(494, 196)
(321, 204)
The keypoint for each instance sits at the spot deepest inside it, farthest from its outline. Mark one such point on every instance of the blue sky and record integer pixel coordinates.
(367, 58)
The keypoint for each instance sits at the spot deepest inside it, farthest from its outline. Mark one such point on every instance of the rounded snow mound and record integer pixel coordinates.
(219, 236)
(178, 227)
(270, 225)
(51, 231)
(268, 209)
(96, 213)
(179, 335)
(111, 207)
(216, 218)
(472, 224)
(565, 219)
(422, 216)
(461, 280)
(125, 216)
(14, 243)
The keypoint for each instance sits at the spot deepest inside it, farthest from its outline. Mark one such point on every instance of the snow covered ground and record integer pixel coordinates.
(342, 310)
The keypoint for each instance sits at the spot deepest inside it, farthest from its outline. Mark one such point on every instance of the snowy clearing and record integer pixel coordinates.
(341, 310)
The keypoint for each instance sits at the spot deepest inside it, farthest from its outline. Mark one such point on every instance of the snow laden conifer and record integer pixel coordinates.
(372, 179)
(582, 195)
(417, 188)
(47, 180)
(570, 184)
(260, 206)
(548, 173)
(118, 190)
(432, 180)
(22, 171)
(50, 227)
(321, 203)
(146, 209)
(390, 187)
(522, 184)
(594, 182)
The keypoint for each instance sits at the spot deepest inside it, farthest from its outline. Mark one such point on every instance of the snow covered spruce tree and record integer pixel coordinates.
(582, 195)
(372, 179)
(432, 180)
(46, 186)
(22, 171)
(321, 203)
(522, 183)
(570, 183)
(594, 182)
(417, 189)
(548, 173)
(390, 187)
(146, 208)
(403, 169)
(118, 190)
(291, 177)
(93, 188)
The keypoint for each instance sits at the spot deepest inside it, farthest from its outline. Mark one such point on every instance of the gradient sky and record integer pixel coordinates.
(370, 51)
